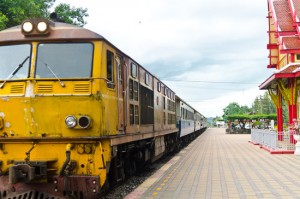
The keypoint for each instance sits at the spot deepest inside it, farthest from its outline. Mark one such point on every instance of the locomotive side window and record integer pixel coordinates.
(131, 89)
(14, 61)
(133, 70)
(64, 60)
(136, 91)
(147, 79)
(110, 65)
(136, 115)
(169, 118)
(158, 86)
(171, 105)
(131, 114)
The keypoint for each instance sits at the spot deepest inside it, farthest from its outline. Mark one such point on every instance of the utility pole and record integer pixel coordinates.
(260, 99)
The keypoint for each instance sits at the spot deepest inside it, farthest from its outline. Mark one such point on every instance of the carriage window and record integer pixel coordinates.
(64, 60)
(110, 65)
(11, 57)
(133, 70)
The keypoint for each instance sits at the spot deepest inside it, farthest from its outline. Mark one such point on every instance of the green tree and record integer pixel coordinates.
(232, 109)
(263, 105)
(235, 109)
(13, 12)
(245, 109)
(71, 15)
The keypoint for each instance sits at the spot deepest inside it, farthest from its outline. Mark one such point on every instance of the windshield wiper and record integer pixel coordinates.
(14, 72)
(60, 82)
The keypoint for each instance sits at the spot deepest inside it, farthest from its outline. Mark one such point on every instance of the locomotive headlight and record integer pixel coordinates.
(71, 121)
(84, 122)
(36, 27)
(42, 26)
(27, 26)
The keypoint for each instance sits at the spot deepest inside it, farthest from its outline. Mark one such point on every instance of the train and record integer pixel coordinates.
(78, 115)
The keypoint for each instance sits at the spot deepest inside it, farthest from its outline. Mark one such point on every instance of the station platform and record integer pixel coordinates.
(220, 165)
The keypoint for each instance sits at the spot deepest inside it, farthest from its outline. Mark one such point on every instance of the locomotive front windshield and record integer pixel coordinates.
(14, 61)
(64, 60)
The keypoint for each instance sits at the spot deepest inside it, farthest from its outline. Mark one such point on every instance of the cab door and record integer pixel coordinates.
(121, 92)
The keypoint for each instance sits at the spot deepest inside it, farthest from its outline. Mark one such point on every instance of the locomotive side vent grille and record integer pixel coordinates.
(81, 87)
(44, 88)
(17, 88)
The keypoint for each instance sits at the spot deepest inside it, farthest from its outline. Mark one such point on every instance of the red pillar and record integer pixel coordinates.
(293, 111)
(280, 123)
(279, 117)
(292, 107)
(292, 116)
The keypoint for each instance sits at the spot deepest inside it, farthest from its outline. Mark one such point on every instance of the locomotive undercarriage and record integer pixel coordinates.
(130, 158)
(33, 178)
(79, 187)
(36, 180)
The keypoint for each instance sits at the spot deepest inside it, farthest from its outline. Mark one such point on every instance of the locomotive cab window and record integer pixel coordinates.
(15, 61)
(64, 60)
(110, 65)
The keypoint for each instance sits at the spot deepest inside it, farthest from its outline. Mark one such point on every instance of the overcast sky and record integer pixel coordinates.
(215, 50)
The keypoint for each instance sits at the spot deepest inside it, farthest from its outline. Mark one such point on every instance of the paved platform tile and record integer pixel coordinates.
(220, 165)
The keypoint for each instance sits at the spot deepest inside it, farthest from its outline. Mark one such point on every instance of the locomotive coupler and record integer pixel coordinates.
(27, 172)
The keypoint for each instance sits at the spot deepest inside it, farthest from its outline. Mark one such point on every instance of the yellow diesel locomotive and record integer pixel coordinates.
(77, 114)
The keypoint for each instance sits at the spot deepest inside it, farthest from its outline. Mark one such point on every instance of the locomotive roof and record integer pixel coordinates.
(59, 31)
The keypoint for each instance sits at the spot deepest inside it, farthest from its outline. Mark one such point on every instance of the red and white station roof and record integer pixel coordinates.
(285, 16)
